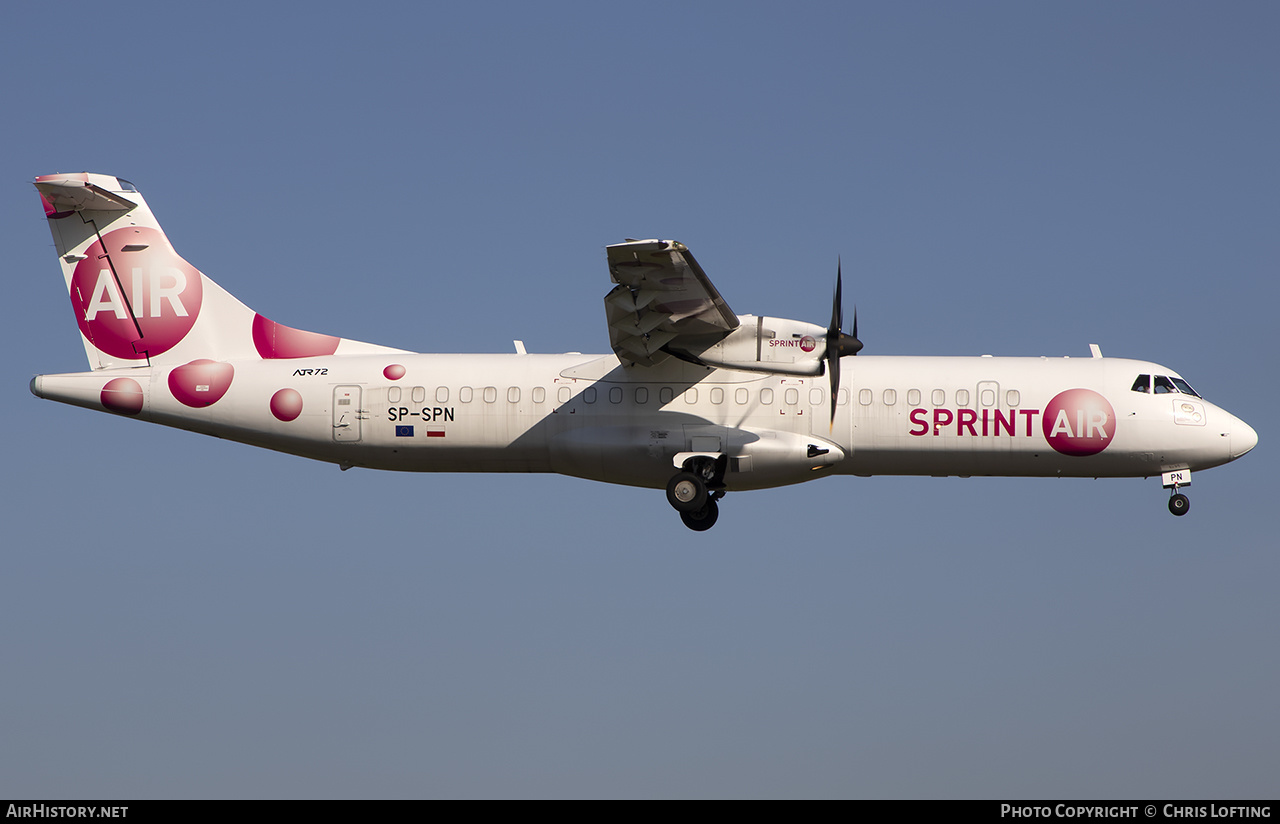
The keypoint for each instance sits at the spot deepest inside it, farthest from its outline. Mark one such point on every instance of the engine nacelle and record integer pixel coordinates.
(762, 344)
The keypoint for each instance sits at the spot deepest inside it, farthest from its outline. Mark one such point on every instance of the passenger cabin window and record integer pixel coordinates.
(740, 395)
(464, 394)
(766, 396)
(564, 394)
(962, 397)
(1142, 384)
(589, 394)
(539, 394)
(890, 397)
(419, 394)
(691, 395)
(792, 397)
(1013, 397)
(615, 395)
(939, 397)
(717, 395)
(665, 394)
(513, 395)
(490, 394)
(642, 394)
(913, 397)
(393, 394)
(864, 397)
(442, 394)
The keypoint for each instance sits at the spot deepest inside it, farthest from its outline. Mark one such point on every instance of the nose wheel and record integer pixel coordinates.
(1172, 480)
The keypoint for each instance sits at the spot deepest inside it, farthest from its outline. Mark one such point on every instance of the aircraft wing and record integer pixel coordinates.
(662, 296)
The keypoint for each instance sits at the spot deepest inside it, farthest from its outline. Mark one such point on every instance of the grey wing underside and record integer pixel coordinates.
(662, 296)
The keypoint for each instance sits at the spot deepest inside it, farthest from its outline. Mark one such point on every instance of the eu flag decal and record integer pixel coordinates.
(404, 431)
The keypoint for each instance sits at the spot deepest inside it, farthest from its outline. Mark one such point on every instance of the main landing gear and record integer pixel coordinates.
(695, 489)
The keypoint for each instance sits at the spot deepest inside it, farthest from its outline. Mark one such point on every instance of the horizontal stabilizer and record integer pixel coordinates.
(75, 193)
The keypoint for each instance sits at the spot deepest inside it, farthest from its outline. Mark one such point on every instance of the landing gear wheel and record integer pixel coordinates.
(686, 492)
(1179, 504)
(703, 519)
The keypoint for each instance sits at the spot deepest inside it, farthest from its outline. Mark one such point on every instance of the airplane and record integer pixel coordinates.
(694, 399)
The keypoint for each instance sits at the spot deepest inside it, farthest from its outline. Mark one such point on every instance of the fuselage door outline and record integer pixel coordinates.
(346, 414)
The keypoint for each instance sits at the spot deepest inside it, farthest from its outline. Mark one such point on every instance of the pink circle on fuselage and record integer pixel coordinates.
(123, 395)
(1079, 422)
(286, 404)
(394, 372)
(201, 383)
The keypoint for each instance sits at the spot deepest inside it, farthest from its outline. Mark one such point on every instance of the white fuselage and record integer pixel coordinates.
(588, 416)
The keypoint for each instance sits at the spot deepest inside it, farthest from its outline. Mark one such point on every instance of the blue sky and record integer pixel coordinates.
(185, 617)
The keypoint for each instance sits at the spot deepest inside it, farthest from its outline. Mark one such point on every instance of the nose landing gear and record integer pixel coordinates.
(1178, 503)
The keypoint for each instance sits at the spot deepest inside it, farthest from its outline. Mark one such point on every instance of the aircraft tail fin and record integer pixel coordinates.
(138, 302)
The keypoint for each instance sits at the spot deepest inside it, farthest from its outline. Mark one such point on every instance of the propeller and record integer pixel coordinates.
(838, 343)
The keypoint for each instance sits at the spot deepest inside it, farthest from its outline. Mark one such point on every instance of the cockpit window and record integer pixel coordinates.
(1163, 385)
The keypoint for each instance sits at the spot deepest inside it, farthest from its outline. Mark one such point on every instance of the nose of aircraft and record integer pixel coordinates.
(1243, 438)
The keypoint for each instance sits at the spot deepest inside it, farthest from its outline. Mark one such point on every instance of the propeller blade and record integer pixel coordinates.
(838, 343)
(837, 306)
(833, 338)
(834, 371)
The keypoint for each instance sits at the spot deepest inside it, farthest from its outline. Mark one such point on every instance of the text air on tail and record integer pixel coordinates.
(138, 302)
